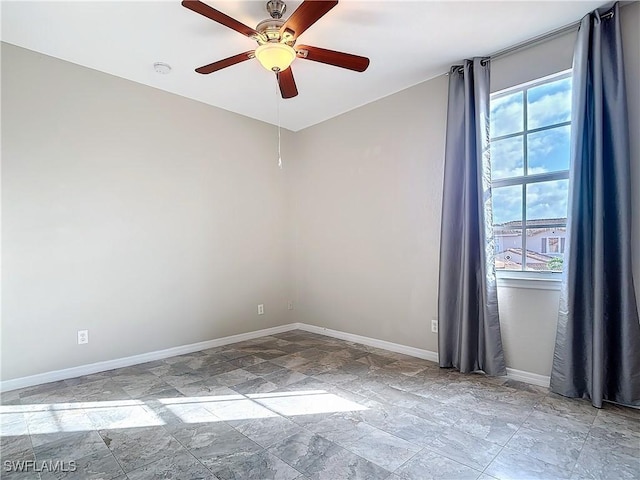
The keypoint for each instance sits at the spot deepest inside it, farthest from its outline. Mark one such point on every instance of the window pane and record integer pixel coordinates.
(507, 206)
(548, 150)
(508, 249)
(549, 103)
(507, 158)
(545, 249)
(547, 201)
(507, 115)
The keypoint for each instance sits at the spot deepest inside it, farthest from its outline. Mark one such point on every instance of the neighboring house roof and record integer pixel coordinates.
(533, 223)
(507, 264)
(515, 226)
(534, 260)
(541, 257)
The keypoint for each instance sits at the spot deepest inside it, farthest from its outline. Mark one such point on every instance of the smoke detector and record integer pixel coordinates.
(162, 68)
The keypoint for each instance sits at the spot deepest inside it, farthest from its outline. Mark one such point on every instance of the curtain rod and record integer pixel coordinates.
(542, 38)
(534, 41)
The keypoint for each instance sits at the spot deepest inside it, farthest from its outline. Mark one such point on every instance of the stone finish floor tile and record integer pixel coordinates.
(264, 368)
(20, 475)
(547, 422)
(98, 391)
(267, 431)
(512, 465)
(261, 465)
(257, 385)
(383, 449)
(178, 466)
(10, 398)
(464, 448)
(16, 447)
(571, 408)
(614, 420)
(428, 465)
(96, 466)
(561, 450)
(137, 447)
(216, 446)
(69, 446)
(299, 405)
(488, 427)
(304, 449)
(345, 465)
(601, 458)
(14, 423)
(54, 420)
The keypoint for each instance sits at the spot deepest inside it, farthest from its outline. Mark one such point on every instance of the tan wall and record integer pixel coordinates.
(149, 219)
(366, 202)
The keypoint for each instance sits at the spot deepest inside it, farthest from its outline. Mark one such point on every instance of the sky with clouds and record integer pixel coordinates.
(547, 150)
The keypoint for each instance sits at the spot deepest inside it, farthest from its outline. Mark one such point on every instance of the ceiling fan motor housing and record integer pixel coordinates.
(276, 8)
(269, 30)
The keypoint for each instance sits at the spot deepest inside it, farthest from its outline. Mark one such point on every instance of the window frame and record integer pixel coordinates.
(522, 278)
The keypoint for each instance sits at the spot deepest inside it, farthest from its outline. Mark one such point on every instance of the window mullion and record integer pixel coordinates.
(525, 169)
(524, 133)
(537, 178)
(549, 127)
(525, 166)
(533, 130)
(524, 226)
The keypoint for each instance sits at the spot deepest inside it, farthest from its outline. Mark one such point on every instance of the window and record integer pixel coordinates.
(553, 245)
(530, 135)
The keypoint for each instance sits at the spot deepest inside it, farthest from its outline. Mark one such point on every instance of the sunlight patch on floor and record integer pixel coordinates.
(85, 416)
(291, 403)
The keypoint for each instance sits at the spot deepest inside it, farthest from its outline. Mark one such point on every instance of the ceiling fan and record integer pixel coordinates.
(276, 41)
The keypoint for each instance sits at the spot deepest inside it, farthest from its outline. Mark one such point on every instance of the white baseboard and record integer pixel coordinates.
(512, 373)
(56, 375)
(372, 342)
(528, 377)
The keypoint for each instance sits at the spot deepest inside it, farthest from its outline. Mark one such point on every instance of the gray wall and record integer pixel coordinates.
(366, 210)
(150, 219)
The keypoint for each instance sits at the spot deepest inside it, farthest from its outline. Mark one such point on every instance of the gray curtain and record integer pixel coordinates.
(469, 328)
(597, 353)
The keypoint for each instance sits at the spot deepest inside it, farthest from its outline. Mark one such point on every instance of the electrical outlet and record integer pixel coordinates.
(434, 325)
(83, 336)
(290, 305)
(261, 309)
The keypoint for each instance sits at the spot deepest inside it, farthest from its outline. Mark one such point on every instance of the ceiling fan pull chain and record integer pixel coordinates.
(278, 115)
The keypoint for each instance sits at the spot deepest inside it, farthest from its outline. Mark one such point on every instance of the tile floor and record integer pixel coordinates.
(299, 405)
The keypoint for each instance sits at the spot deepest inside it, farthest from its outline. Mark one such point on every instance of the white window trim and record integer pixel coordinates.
(531, 83)
(533, 280)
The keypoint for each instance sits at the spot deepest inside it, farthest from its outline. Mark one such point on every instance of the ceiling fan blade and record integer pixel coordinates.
(331, 57)
(287, 83)
(216, 16)
(306, 15)
(227, 62)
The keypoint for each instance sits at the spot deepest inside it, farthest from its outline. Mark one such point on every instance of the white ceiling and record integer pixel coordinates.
(407, 42)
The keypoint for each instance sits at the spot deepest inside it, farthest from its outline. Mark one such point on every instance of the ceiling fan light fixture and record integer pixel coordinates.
(274, 56)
